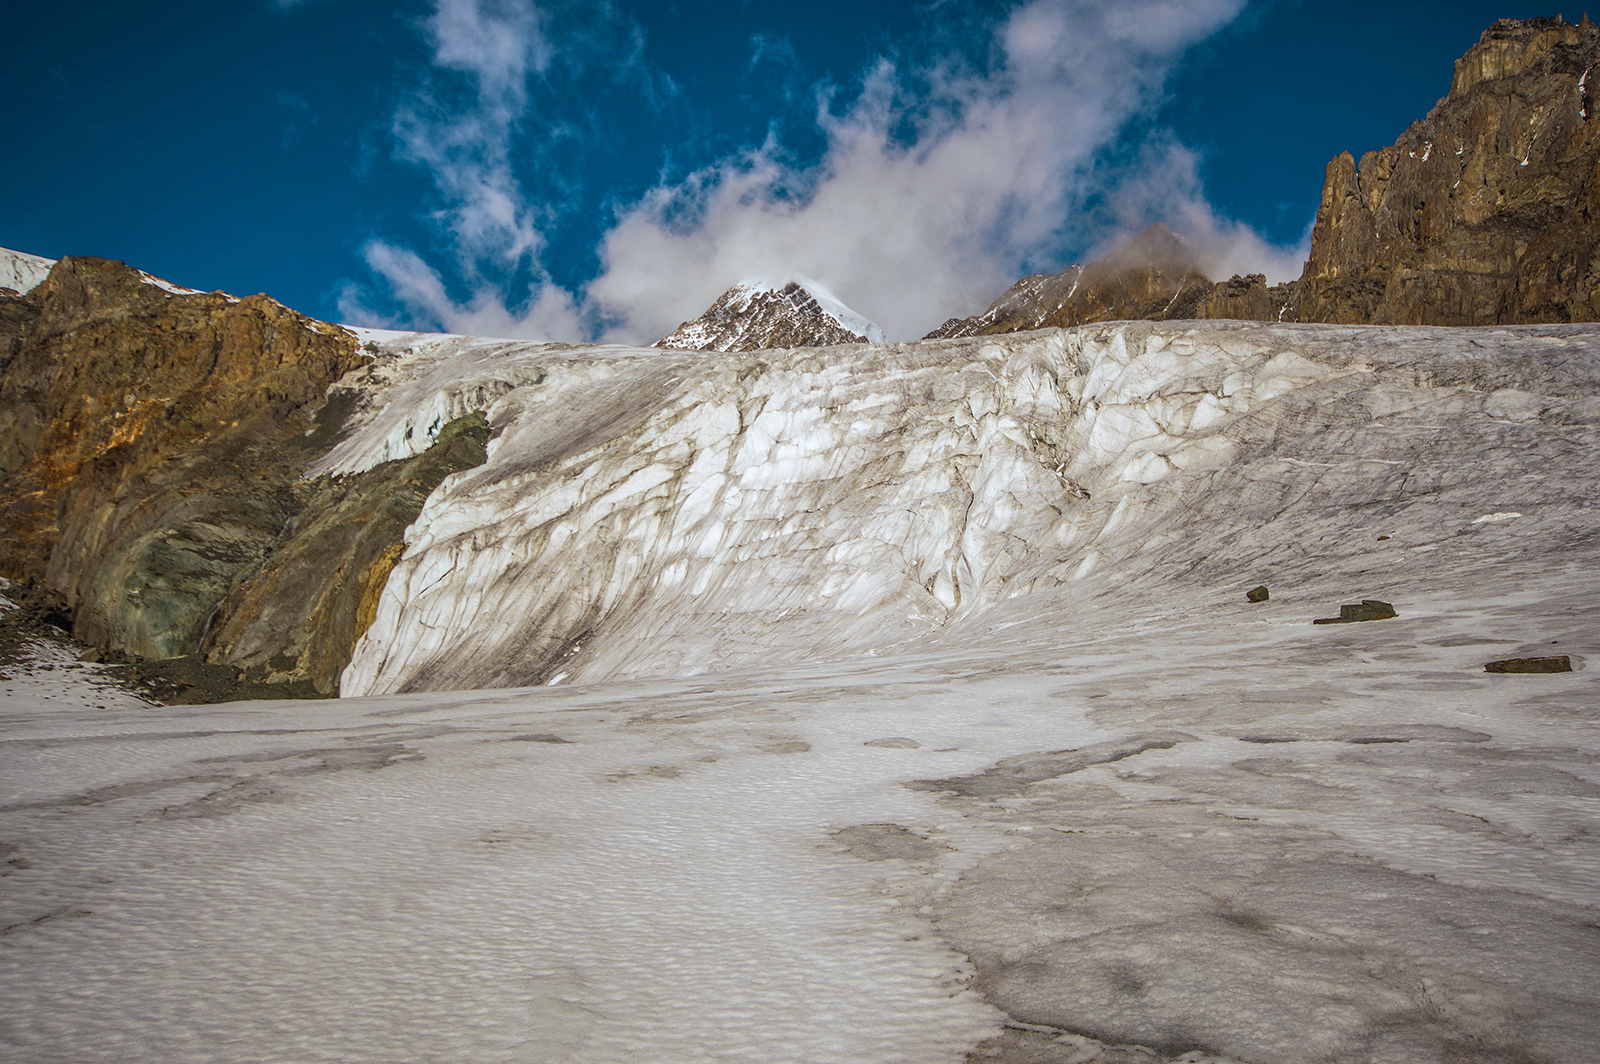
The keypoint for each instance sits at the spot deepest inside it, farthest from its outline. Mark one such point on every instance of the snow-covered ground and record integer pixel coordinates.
(1272, 841)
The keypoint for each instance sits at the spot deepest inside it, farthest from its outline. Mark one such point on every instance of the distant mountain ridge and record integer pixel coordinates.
(1155, 277)
(758, 315)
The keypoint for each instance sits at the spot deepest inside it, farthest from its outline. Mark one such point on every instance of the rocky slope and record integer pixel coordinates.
(154, 441)
(755, 316)
(1487, 211)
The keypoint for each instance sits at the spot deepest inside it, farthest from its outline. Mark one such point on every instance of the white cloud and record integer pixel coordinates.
(938, 185)
(910, 234)
(1163, 185)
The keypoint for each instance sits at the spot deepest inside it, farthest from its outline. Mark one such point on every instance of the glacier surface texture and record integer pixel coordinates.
(881, 703)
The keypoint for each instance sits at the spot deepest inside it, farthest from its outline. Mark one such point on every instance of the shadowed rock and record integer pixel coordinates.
(1554, 663)
(1369, 610)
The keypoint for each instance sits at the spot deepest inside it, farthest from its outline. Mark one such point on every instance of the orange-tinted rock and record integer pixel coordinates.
(1487, 211)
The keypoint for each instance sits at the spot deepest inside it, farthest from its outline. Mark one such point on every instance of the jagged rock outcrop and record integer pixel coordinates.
(1155, 277)
(1487, 211)
(756, 316)
(151, 473)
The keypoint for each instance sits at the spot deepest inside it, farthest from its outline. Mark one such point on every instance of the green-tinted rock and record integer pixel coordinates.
(1369, 610)
(1554, 663)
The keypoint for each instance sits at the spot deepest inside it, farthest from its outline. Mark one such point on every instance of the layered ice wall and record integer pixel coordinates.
(648, 512)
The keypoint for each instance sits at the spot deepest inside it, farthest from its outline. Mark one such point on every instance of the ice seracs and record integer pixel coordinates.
(646, 512)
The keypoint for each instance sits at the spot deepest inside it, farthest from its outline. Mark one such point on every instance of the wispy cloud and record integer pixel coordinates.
(941, 179)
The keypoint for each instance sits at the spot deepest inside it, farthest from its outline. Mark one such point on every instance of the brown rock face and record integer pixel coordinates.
(152, 444)
(1485, 212)
(1157, 277)
(150, 473)
(296, 620)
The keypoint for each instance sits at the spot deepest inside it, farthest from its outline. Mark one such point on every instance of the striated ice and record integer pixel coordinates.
(721, 509)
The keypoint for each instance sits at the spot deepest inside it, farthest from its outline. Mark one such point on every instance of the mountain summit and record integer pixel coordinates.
(758, 315)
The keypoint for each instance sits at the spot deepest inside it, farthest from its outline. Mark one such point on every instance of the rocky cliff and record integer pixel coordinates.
(757, 316)
(1488, 210)
(150, 473)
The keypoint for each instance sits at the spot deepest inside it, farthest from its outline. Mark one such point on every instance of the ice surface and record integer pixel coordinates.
(986, 732)
(21, 271)
(1361, 848)
(648, 512)
(168, 286)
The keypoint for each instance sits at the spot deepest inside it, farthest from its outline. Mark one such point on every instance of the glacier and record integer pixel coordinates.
(881, 703)
(646, 512)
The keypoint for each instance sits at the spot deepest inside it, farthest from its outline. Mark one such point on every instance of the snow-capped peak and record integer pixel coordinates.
(832, 305)
(764, 313)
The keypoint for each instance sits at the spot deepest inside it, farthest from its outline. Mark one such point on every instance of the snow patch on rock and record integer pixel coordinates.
(22, 272)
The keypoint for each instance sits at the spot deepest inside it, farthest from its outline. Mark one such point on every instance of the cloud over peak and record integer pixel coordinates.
(939, 180)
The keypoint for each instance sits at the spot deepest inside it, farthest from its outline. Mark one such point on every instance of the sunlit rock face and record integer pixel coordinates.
(151, 439)
(650, 513)
(1486, 211)
(154, 441)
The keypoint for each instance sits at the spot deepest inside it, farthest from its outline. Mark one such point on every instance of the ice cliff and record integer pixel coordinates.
(644, 512)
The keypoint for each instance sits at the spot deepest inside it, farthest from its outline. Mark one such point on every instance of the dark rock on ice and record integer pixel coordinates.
(1554, 663)
(1368, 610)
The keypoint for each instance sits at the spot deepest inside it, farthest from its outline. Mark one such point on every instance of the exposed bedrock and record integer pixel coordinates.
(1487, 211)
(651, 513)
(155, 440)
(1155, 277)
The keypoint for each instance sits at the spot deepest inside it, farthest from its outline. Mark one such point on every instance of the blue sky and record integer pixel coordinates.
(562, 170)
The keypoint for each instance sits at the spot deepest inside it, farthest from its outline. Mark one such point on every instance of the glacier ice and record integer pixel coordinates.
(649, 512)
(797, 599)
